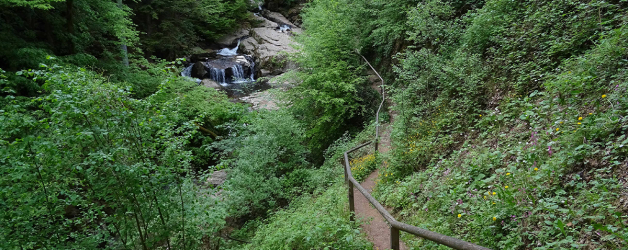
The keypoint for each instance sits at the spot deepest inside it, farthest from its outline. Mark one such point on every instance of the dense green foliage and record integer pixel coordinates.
(525, 99)
(82, 30)
(510, 123)
(321, 219)
(269, 163)
(489, 92)
(92, 168)
(79, 30)
(172, 27)
(332, 96)
(312, 223)
(109, 156)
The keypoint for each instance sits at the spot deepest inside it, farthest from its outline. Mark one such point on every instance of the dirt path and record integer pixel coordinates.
(377, 230)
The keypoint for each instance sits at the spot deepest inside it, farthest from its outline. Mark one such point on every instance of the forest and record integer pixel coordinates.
(222, 124)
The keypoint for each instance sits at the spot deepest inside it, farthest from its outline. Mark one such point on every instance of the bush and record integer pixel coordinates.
(85, 166)
(312, 222)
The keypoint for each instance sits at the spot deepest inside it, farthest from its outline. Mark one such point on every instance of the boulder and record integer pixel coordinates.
(217, 178)
(264, 72)
(231, 40)
(262, 100)
(242, 61)
(276, 17)
(294, 15)
(280, 20)
(265, 23)
(198, 71)
(207, 55)
(211, 84)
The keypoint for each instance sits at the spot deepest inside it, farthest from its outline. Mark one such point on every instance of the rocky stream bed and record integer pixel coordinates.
(248, 61)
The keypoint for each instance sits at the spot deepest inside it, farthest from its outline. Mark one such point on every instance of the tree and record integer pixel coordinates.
(36, 4)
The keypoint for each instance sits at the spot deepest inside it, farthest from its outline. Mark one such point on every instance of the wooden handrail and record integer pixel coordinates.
(395, 225)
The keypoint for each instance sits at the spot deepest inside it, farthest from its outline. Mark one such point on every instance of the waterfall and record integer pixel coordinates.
(238, 72)
(187, 71)
(252, 69)
(229, 69)
(229, 52)
(217, 75)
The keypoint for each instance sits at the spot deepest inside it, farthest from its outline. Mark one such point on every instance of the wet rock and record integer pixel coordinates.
(294, 15)
(265, 47)
(211, 84)
(270, 48)
(207, 55)
(198, 71)
(265, 23)
(276, 17)
(243, 61)
(264, 72)
(232, 39)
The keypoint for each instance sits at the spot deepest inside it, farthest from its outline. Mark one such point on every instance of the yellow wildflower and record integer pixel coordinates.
(507, 173)
(579, 123)
(580, 118)
(494, 218)
(459, 215)
(494, 193)
(506, 187)
(536, 169)
(603, 96)
(557, 129)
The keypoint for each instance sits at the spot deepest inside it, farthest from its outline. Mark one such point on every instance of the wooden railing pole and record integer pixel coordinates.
(350, 190)
(351, 204)
(394, 238)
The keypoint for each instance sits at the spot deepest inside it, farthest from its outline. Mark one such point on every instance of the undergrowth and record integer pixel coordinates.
(544, 170)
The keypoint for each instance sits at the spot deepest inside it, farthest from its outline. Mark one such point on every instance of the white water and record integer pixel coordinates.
(187, 71)
(284, 28)
(238, 72)
(228, 51)
(253, 70)
(218, 75)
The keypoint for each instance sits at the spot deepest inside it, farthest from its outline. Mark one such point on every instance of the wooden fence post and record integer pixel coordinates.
(394, 238)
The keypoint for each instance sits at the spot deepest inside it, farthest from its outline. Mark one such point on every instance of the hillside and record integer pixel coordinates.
(221, 124)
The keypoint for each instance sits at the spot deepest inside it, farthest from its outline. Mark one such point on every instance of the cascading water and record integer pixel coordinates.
(218, 75)
(252, 68)
(187, 72)
(228, 51)
(228, 69)
(238, 73)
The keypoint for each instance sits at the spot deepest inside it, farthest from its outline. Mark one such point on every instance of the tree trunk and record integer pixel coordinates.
(125, 52)
(70, 23)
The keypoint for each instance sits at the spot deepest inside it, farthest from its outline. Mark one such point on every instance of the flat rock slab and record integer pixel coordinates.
(217, 178)
(261, 100)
